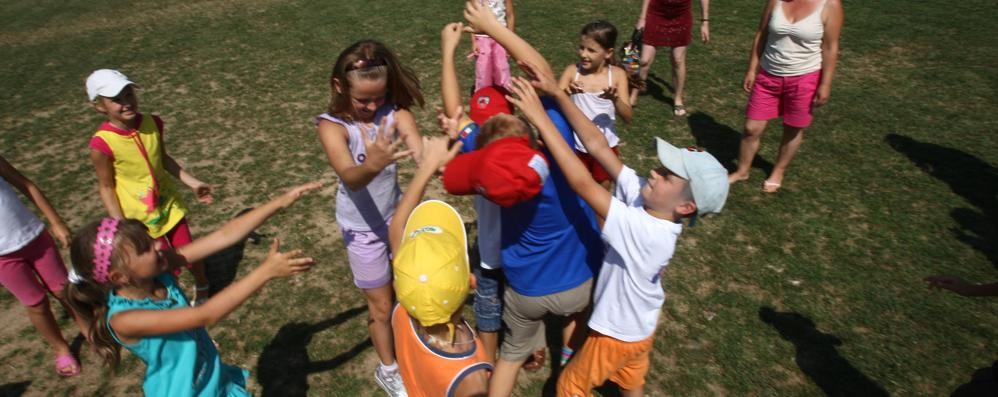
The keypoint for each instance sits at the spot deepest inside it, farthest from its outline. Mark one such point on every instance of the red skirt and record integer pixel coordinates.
(668, 23)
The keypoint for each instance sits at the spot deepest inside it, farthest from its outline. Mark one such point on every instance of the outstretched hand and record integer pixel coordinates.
(609, 93)
(283, 264)
(480, 18)
(437, 152)
(450, 37)
(384, 148)
(203, 192)
(294, 193)
(540, 80)
(525, 98)
(951, 283)
(451, 126)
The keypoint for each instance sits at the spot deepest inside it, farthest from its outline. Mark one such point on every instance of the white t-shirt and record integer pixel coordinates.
(629, 296)
(489, 233)
(18, 226)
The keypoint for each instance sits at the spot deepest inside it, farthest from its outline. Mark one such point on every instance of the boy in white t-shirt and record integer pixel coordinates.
(642, 223)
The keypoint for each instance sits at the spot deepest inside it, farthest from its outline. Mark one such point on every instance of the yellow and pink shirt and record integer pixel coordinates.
(144, 189)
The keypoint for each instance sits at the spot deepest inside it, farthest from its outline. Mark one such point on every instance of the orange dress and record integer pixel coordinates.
(429, 372)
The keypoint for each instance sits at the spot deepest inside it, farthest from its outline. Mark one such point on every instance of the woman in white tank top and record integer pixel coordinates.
(790, 72)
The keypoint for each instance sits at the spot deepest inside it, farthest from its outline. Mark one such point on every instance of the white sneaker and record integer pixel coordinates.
(392, 384)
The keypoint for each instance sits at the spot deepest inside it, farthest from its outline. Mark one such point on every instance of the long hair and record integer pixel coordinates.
(371, 60)
(88, 298)
(605, 34)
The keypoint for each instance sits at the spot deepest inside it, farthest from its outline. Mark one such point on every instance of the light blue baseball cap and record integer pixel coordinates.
(707, 177)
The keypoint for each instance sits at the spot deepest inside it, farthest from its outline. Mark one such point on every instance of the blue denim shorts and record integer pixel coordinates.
(488, 299)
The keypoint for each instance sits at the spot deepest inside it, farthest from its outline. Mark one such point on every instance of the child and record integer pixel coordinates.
(133, 167)
(126, 292)
(642, 225)
(438, 352)
(550, 244)
(491, 62)
(370, 88)
(27, 254)
(593, 89)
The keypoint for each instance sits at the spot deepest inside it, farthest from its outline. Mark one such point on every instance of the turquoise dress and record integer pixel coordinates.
(184, 363)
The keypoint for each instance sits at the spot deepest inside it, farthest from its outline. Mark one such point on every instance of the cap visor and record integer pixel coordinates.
(672, 158)
(457, 175)
(436, 213)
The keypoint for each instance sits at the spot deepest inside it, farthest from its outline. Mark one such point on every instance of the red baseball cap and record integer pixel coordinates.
(487, 102)
(506, 171)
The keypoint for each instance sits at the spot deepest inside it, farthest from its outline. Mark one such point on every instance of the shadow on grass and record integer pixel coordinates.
(15, 389)
(984, 382)
(221, 267)
(284, 365)
(817, 356)
(660, 89)
(721, 141)
(968, 176)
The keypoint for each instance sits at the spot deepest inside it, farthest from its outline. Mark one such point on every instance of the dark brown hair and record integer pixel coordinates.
(88, 298)
(369, 59)
(605, 34)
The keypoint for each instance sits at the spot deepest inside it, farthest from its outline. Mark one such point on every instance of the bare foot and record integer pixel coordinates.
(736, 177)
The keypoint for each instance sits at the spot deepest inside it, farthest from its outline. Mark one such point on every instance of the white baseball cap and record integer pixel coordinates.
(106, 83)
(707, 177)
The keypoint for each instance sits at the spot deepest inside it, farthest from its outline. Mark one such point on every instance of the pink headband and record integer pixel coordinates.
(103, 246)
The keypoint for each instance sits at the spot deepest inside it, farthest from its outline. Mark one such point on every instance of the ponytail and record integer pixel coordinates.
(89, 300)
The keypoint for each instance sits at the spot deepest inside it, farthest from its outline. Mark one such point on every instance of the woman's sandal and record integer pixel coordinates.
(67, 366)
(678, 110)
(770, 187)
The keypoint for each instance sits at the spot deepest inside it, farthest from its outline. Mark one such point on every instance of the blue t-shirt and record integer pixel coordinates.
(550, 243)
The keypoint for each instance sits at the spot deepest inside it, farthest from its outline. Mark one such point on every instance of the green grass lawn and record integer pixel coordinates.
(815, 290)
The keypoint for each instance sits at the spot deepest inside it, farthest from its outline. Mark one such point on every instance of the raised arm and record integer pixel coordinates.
(237, 229)
(525, 98)
(834, 17)
(29, 189)
(450, 87)
(133, 324)
(481, 19)
(757, 46)
(435, 155)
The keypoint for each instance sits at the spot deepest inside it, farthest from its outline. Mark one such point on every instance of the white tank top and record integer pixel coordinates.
(367, 208)
(598, 109)
(18, 226)
(793, 49)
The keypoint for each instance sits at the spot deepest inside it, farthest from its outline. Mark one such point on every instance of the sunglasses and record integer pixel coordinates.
(365, 64)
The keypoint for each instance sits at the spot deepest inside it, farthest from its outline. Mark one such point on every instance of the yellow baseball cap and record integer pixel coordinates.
(431, 265)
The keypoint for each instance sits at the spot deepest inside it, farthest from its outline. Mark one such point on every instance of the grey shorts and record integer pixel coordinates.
(524, 317)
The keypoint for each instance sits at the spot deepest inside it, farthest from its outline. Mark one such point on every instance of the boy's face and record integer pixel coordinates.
(121, 109)
(667, 192)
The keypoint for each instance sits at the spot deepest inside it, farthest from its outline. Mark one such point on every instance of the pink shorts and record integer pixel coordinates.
(177, 237)
(789, 97)
(491, 64)
(21, 270)
(369, 256)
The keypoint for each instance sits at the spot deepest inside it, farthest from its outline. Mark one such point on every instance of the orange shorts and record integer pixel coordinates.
(601, 358)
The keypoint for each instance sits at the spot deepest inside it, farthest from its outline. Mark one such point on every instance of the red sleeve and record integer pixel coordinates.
(159, 125)
(97, 143)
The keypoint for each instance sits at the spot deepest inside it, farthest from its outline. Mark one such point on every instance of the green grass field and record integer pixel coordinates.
(815, 290)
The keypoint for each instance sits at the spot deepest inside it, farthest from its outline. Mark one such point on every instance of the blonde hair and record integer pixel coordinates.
(502, 126)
